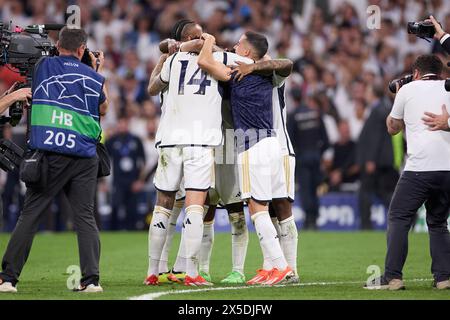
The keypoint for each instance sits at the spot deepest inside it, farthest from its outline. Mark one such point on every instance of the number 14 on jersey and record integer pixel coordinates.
(201, 81)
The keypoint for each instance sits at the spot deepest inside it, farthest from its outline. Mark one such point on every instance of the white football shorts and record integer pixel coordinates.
(261, 174)
(194, 164)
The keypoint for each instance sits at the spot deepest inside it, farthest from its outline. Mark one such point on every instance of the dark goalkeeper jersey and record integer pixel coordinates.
(251, 105)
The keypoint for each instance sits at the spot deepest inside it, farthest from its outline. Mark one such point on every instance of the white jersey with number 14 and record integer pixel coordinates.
(193, 105)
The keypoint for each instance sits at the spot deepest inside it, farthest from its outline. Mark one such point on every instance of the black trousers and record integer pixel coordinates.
(412, 191)
(309, 177)
(123, 196)
(382, 184)
(77, 177)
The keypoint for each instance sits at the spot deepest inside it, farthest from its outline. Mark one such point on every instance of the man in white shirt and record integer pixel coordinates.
(426, 178)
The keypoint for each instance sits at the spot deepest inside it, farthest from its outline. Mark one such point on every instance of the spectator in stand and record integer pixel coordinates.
(128, 160)
(310, 140)
(343, 170)
(379, 157)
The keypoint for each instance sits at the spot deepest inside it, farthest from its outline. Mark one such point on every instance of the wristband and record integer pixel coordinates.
(444, 37)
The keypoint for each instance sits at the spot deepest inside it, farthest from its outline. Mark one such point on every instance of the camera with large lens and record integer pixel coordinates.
(21, 49)
(87, 59)
(422, 29)
(400, 82)
(11, 155)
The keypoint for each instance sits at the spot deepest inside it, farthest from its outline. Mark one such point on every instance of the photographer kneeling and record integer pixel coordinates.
(68, 100)
(425, 180)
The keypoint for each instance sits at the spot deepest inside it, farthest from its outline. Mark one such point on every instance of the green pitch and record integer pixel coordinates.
(331, 266)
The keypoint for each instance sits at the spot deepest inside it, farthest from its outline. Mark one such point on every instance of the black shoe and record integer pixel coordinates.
(382, 283)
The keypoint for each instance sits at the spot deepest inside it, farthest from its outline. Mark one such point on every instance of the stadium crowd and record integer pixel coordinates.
(338, 98)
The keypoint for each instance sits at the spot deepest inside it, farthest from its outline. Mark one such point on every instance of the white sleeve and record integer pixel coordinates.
(398, 110)
(165, 71)
(232, 58)
(278, 81)
(445, 37)
(218, 56)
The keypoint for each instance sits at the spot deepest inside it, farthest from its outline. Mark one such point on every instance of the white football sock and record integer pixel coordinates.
(239, 240)
(156, 237)
(180, 262)
(268, 239)
(206, 247)
(267, 264)
(193, 231)
(163, 264)
(276, 224)
(288, 241)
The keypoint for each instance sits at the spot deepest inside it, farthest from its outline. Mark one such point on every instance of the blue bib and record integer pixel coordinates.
(65, 107)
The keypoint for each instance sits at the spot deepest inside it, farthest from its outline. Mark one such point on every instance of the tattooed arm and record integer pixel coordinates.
(282, 67)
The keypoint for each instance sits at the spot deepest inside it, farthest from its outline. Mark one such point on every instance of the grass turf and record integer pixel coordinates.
(323, 257)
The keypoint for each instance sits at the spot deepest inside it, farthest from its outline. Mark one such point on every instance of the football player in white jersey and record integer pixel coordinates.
(194, 112)
(179, 197)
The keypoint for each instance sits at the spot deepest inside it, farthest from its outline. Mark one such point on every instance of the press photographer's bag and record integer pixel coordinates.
(104, 161)
(34, 169)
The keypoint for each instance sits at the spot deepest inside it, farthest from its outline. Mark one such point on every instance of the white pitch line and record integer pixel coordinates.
(156, 295)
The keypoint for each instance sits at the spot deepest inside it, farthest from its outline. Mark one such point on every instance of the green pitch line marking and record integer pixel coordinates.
(156, 295)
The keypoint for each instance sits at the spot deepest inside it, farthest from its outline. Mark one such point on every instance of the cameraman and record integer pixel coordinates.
(68, 100)
(426, 179)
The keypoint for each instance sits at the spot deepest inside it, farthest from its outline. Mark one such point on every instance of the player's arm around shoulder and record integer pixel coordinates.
(207, 63)
(157, 83)
(279, 67)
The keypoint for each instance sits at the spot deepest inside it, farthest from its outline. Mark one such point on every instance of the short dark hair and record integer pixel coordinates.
(428, 63)
(258, 42)
(71, 38)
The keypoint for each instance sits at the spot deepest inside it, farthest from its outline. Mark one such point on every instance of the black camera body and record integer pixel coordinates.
(422, 29)
(86, 58)
(401, 82)
(22, 49)
(11, 155)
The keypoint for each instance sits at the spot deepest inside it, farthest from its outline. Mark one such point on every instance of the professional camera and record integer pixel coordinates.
(401, 82)
(11, 155)
(21, 49)
(422, 29)
(86, 58)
